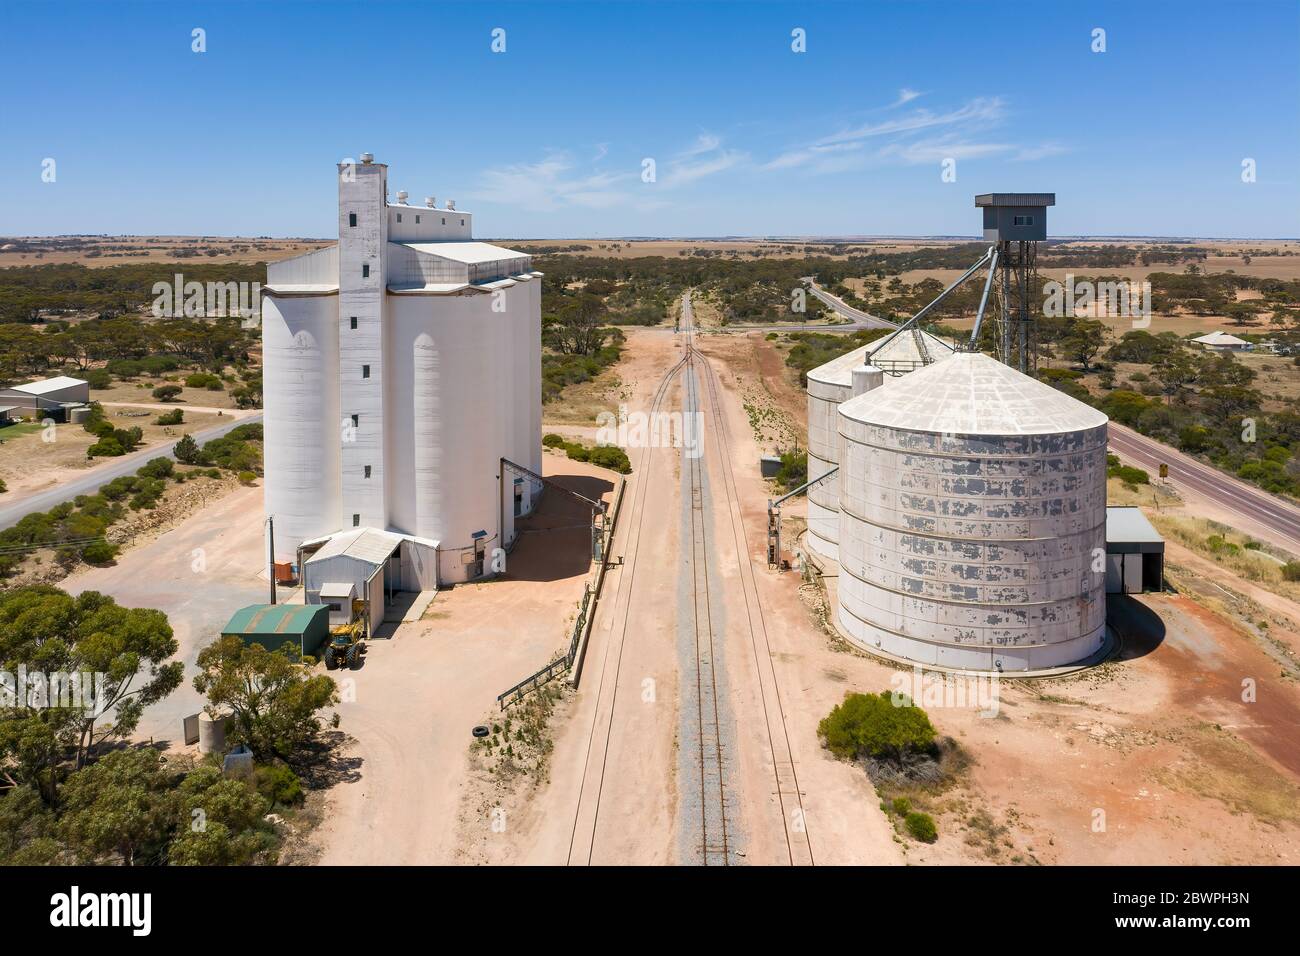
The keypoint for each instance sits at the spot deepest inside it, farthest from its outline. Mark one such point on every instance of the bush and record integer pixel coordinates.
(1291, 571)
(871, 725)
(99, 378)
(921, 826)
(157, 468)
(247, 477)
(187, 450)
(553, 440)
(901, 805)
(1129, 475)
(611, 456)
(203, 380)
(106, 448)
(278, 784)
(167, 393)
(577, 452)
(175, 417)
(99, 552)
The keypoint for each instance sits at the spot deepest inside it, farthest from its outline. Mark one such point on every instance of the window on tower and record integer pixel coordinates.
(352, 219)
(365, 371)
(367, 471)
(356, 521)
(353, 321)
(365, 271)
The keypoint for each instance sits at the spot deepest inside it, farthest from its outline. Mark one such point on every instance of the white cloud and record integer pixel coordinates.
(553, 183)
(979, 111)
(704, 157)
(905, 95)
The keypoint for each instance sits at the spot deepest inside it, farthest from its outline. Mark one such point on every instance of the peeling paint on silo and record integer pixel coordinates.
(979, 495)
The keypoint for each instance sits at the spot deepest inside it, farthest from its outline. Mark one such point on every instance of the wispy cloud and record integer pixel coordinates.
(919, 136)
(705, 157)
(979, 111)
(552, 183)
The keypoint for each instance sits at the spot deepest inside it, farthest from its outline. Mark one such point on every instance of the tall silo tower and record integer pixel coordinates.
(972, 512)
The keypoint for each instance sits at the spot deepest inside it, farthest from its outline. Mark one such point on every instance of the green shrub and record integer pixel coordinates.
(921, 826)
(247, 477)
(157, 468)
(166, 393)
(1129, 475)
(577, 452)
(278, 784)
(1291, 571)
(187, 450)
(99, 378)
(901, 805)
(99, 552)
(106, 448)
(871, 725)
(611, 456)
(553, 440)
(175, 417)
(203, 380)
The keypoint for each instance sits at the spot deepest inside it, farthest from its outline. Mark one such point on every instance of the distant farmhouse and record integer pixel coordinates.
(1222, 342)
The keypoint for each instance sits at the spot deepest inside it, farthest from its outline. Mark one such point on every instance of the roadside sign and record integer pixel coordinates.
(1164, 470)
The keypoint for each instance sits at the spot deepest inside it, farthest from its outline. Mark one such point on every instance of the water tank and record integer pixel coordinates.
(972, 515)
(301, 421)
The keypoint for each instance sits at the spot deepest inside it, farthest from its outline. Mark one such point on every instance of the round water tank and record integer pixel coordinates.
(972, 519)
(212, 734)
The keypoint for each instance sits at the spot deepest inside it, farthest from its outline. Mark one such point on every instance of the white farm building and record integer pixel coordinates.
(401, 366)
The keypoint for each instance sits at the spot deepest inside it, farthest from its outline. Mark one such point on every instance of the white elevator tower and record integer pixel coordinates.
(400, 366)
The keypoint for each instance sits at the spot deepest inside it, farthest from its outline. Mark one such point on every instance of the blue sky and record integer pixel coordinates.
(748, 137)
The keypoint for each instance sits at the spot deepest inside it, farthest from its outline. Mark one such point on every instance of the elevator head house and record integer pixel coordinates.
(1015, 217)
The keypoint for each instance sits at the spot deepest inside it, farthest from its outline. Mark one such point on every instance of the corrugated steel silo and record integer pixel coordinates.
(972, 512)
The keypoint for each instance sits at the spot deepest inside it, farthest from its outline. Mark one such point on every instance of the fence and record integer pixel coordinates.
(586, 608)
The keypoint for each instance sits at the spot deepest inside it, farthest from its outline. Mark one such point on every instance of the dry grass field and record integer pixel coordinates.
(104, 251)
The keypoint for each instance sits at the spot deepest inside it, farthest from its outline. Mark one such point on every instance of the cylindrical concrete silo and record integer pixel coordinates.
(300, 341)
(972, 515)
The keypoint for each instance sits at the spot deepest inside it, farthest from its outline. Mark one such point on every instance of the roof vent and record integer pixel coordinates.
(431, 202)
(401, 196)
(451, 204)
(367, 158)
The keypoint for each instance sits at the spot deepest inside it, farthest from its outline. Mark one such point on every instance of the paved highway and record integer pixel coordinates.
(858, 320)
(1257, 512)
(11, 514)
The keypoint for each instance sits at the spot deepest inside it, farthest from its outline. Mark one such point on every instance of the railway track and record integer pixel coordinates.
(715, 845)
(713, 849)
(785, 777)
(582, 841)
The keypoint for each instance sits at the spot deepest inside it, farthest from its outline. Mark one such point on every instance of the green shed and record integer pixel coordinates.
(270, 625)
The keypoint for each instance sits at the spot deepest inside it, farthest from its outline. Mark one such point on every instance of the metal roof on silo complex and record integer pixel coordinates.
(972, 394)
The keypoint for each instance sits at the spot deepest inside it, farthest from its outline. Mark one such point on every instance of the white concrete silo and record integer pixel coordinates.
(831, 384)
(973, 508)
(300, 357)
